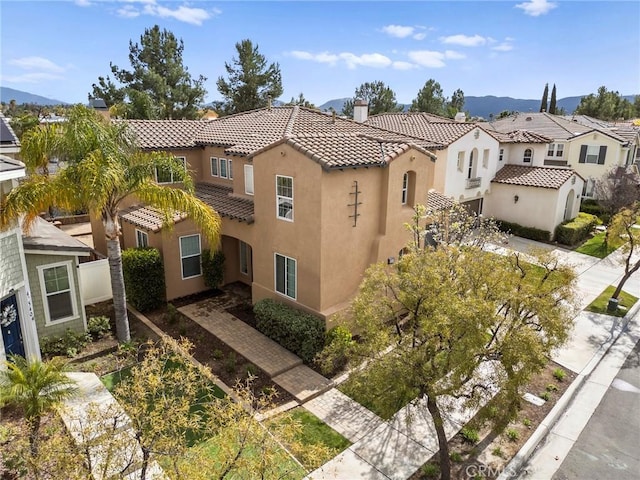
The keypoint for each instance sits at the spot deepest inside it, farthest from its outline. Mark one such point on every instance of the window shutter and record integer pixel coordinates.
(603, 153)
(583, 153)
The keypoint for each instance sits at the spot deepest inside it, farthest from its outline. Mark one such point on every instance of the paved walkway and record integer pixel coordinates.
(97, 422)
(284, 368)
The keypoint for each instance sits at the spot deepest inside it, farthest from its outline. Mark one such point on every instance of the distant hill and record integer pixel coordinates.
(489, 104)
(8, 94)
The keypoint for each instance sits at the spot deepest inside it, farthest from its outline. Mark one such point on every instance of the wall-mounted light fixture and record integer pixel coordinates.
(516, 198)
(391, 261)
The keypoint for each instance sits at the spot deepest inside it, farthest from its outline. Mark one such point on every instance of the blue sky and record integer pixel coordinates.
(327, 49)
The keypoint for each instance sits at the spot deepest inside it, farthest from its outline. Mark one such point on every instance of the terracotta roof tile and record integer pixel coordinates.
(533, 176)
(520, 136)
(422, 125)
(165, 134)
(552, 126)
(222, 200)
(437, 201)
(147, 218)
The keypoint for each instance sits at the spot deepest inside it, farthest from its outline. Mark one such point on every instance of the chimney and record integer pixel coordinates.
(360, 110)
(460, 117)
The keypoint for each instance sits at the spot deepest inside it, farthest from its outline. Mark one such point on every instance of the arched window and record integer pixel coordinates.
(408, 188)
(528, 155)
(405, 187)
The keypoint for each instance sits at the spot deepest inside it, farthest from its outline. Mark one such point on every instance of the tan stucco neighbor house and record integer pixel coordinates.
(308, 201)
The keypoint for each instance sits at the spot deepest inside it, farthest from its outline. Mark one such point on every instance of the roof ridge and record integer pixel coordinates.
(288, 130)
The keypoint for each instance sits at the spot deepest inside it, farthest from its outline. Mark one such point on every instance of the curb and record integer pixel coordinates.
(514, 467)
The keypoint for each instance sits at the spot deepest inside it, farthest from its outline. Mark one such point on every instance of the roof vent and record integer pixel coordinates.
(528, 119)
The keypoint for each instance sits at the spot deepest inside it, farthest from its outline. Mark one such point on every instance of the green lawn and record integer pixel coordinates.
(599, 305)
(595, 246)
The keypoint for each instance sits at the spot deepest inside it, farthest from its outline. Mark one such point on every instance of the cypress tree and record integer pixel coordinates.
(545, 96)
(552, 103)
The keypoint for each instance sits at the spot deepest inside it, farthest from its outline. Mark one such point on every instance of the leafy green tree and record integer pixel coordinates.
(379, 97)
(456, 104)
(23, 124)
(301, 101)
(464, 324)
(36, 387)
(158, 85)
(545, 98)
(636, 106)
(553, 107)
(605, 105)
(251, 83)
(104, 169)
(430, 99)
(624, 226)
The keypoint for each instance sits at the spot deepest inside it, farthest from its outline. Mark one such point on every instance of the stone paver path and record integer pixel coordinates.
(284, 368)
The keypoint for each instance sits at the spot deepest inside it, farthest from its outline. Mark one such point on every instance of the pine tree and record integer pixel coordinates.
(545, 96)
(552, 104)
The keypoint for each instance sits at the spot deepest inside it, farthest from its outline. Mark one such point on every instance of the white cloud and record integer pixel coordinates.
(503, 47)
(464, 40)
(36, 63)
(535, 8)
(398, 31)
(82, 3)
(420, 36)
(351, 60)
(36, 77)
(427, 58)
(183, 13)
(453, 55)
(399, 65)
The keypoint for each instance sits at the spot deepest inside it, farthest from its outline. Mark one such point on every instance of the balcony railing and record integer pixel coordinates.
(473, 182)
(556, 163)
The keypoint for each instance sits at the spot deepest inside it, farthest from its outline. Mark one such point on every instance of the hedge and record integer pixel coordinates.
(525, 232)
(297, 331)
(576, 230)
(213, 268)
(143, 278)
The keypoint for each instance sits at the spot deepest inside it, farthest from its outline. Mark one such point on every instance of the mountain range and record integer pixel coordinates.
(476, 106)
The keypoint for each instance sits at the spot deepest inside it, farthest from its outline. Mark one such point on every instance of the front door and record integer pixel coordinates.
(10, 326)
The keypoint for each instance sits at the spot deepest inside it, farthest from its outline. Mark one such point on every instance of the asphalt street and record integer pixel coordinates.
(609, 446)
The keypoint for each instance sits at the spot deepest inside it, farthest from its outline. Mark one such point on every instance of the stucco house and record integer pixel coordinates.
(308, 201)
(9, 142)
(588, 147)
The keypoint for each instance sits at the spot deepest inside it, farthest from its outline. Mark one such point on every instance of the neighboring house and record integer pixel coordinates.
(53, 261)
(473, 166)
(17, 322)
(9, 142)
(308, 201)
(591, 150)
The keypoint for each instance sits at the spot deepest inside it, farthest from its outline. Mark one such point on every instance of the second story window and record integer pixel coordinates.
(501, 155)
(190, 256)
(592, 154)
(405, 187)
(222, 167)
(485, 158)
(528, 155)
(284, 197)
(248, 179)
(555, 150)
(471, 170)
(214, 167)
(166, 175)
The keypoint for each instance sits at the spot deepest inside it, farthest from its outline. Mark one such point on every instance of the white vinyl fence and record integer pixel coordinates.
(95, 281)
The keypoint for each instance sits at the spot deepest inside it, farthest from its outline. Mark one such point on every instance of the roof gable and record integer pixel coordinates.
(540, 177)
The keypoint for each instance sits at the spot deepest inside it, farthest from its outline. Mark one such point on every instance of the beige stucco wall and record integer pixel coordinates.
(613, 157)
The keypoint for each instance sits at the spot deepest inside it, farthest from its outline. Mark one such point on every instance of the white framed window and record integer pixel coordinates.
(214, 167)
(166, 175)
(244, 258)
(528, 155)
(190, 256)
(58, 292)
(485, 158)
(587, 188)
(248, 179)
(471, 170)
(501, 155)
(142, 239)
(555, 150)
(285, 275)
(593, 152)
(284, 197)
(460, 160)
(405, 187)
(559, 149)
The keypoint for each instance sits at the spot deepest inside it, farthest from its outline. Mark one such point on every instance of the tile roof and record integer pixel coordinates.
(422, 125)
(533, 176)
(165, 134)
(437, 201)
(222, 200)
(147, 218)
(248, 132)
(521, 136)
(551, 126)
(349, 150)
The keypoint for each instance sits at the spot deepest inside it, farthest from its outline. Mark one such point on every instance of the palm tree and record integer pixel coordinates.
(103, 169)
(35, 387)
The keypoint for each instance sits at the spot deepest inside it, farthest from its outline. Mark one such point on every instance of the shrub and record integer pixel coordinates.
(143, 277)
(552, 387)
(69, 344)
(213, 268)
(526, 422)
(430, 470)
(251, 370)
(230, 363)
(172, 314)
(297, 331)
(576, 230)
(513, 434)
(455, 457)
(545, 396)
(470, 435)
(525, 232)
(98, 327)
(497, 452)
(217, 354)
(559, 374)
(337, 346)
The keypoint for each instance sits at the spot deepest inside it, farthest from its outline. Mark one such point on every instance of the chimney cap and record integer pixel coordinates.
(360, 103)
